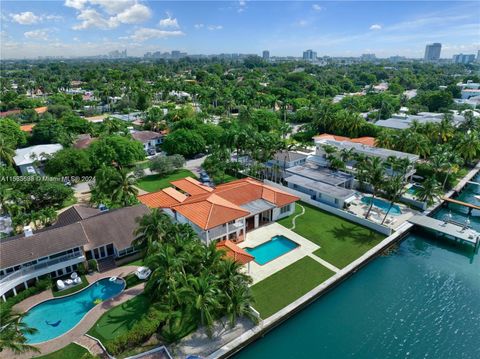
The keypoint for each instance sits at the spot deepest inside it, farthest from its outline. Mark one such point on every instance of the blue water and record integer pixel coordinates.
(413, 190)
(57, 316)
(383, 205)
(420, 301)
(274, 248)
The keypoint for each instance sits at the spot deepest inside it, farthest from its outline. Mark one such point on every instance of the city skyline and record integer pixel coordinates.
(75, 28)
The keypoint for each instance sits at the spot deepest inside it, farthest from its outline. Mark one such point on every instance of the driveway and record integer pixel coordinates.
(195, 165)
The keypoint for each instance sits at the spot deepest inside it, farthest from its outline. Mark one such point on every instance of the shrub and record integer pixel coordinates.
(81, 268)
(40, 286)
(93, 265)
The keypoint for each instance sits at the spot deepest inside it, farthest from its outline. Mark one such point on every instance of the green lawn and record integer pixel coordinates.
(341, 241)
(120, 319)
(70, 351)
(287, 285)
(78, 287)
(154, 183)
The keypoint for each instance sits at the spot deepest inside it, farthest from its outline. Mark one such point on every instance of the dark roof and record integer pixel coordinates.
(92, 230)
(288, 156)
(76, 213)
(83, 141)
(144, 136)
(21, 249)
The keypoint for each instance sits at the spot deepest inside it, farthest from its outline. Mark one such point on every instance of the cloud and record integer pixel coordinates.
(302, 23)
(198, 26)
(39, 34)
(108, 14)
(317, 7)
(25, 18)
(169, 22)
(376, 27)
(242, 5)
(143, 34)
(214, 27)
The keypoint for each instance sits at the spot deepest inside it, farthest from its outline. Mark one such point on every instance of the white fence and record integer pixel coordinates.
(338, 212)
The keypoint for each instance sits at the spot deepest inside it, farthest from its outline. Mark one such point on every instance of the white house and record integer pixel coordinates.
(26, 157)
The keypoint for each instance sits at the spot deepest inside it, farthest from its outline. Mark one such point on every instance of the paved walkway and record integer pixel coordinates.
(324, 263)
(87, 322)
(298, 215)
(91, 345)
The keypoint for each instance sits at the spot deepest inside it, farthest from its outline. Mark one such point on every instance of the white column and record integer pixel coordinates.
(25, 284)
(3, 297)
(208, 236)
(14, 291)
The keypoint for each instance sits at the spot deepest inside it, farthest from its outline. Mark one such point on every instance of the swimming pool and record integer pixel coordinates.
(274, 248)
(55, 317)
(383, 205)
(413, 190)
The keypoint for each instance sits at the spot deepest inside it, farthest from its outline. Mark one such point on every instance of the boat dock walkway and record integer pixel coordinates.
(470, 206)
(451, 229)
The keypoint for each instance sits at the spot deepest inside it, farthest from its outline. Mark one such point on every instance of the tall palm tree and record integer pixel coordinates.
(429, 191)
(394, 189)
(124, 190)
(468, 145)
(238, 304)
(375, 173)
(6, 153)
(151, 227)
(13, 331)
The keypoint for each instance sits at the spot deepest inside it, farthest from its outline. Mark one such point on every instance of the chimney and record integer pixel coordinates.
(27, 230)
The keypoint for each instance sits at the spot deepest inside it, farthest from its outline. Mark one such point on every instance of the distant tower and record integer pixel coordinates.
(310, 55)
(432, 52)
(266, 55)
(478, 56)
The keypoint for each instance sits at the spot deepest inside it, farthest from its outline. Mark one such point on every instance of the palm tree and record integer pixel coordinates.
(151, 227)
(374, 173)
(394, 189)
(429, 191)
(6, 153)
(445, 128)
(385, 140)
(13, 331)
(468, 145)
(124, 190)
(238, 304)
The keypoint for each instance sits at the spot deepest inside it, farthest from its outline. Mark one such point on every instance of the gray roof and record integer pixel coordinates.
(320, 174)
(115, 226)
(257, 206)
(76, 213)
(288, 156)
(324, 188)
(145, 136)
(402, 122)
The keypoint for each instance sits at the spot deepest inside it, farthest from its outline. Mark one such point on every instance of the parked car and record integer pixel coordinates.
(204, 178)
(151, 151)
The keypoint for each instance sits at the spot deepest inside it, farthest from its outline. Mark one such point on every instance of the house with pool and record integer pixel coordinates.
(80, 233)
(227, 212)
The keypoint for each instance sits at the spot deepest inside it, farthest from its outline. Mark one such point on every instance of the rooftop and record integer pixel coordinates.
(145, 136)
(288, 156)
(191, 186)
(369, 141)
(165, 198)
(321, 174)
(27, 155)
(334, 191)
(402, 121)
(234, 252)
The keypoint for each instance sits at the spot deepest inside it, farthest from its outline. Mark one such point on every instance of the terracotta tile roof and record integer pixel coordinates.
(369, 141)
(40, 110)
(9, 113)
(234, 252)
(27, 128)
(191, 186)
(209, 210)
(165, 198)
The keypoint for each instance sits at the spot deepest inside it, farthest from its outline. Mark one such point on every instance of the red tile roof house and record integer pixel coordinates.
(227, 212)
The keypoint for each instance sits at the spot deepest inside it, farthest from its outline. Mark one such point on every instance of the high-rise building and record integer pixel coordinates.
(368, 57)
(463, 58)
(432, 52)
(309, 55)
(266, 55)
(478, 56)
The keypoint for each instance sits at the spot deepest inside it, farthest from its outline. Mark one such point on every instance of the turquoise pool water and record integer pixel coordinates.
(274, 248)
(413, 190)
(420, 301)
(57, 316)
(383, 205)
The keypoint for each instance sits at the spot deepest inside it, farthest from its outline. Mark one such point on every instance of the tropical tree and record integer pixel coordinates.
(374, 173)
(6, 152)
(429, 191)
(151, 227)
(13, 331)
(393, 190)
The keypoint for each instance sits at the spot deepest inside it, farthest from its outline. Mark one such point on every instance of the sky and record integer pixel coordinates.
(73, 28)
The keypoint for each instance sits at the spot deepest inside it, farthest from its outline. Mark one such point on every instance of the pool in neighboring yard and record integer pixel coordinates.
(274, 248)
(55, 317)
(413, 190)
(383, 205)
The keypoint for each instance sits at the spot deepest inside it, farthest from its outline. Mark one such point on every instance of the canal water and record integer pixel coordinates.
(420, 301)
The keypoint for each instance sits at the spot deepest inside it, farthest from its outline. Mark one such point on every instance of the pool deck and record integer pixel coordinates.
(264, 234)
(87, 322)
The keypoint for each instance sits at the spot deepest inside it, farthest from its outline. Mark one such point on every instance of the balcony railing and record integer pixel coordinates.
(38, 266)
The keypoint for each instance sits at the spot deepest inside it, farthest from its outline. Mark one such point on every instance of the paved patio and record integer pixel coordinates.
(264, 234)
(87, 322)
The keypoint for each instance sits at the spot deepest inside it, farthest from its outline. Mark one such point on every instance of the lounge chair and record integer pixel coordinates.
(77, 280)
(74, 275)
(143, 273)
(68, 282)
(60, 284)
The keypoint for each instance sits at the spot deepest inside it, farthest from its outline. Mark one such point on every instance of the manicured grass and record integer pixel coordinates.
(341, 241)
(120, 319)
(132, 280)
(137, 262)
(57, 293)
(154, 183)
(287, 285)
(70, 351)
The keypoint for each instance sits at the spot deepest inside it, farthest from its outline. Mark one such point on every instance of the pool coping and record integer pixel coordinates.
(68, 295)
(271, 260)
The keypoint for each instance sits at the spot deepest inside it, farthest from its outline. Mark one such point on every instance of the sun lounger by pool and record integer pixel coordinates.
(60, 284)
(74, 275)
(143, 273)
(77, 280)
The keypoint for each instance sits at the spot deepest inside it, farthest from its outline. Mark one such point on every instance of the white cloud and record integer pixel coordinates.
(108, 14)
(198, 26)
(144, 33)
(169, 22)
(376, 27)
(302, 23)
(39, 34)
(242, 5)
(25, 18)
(214, 27)
(317, 7)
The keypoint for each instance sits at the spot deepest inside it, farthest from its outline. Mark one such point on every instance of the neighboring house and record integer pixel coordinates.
(80, 233)
(83, 141)
(129, 117)
(227, 212)
(287, 159)
(96, 119)
(149, 139)
(403, 121)
(25, 158)
(27, 128)
(322, 184)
